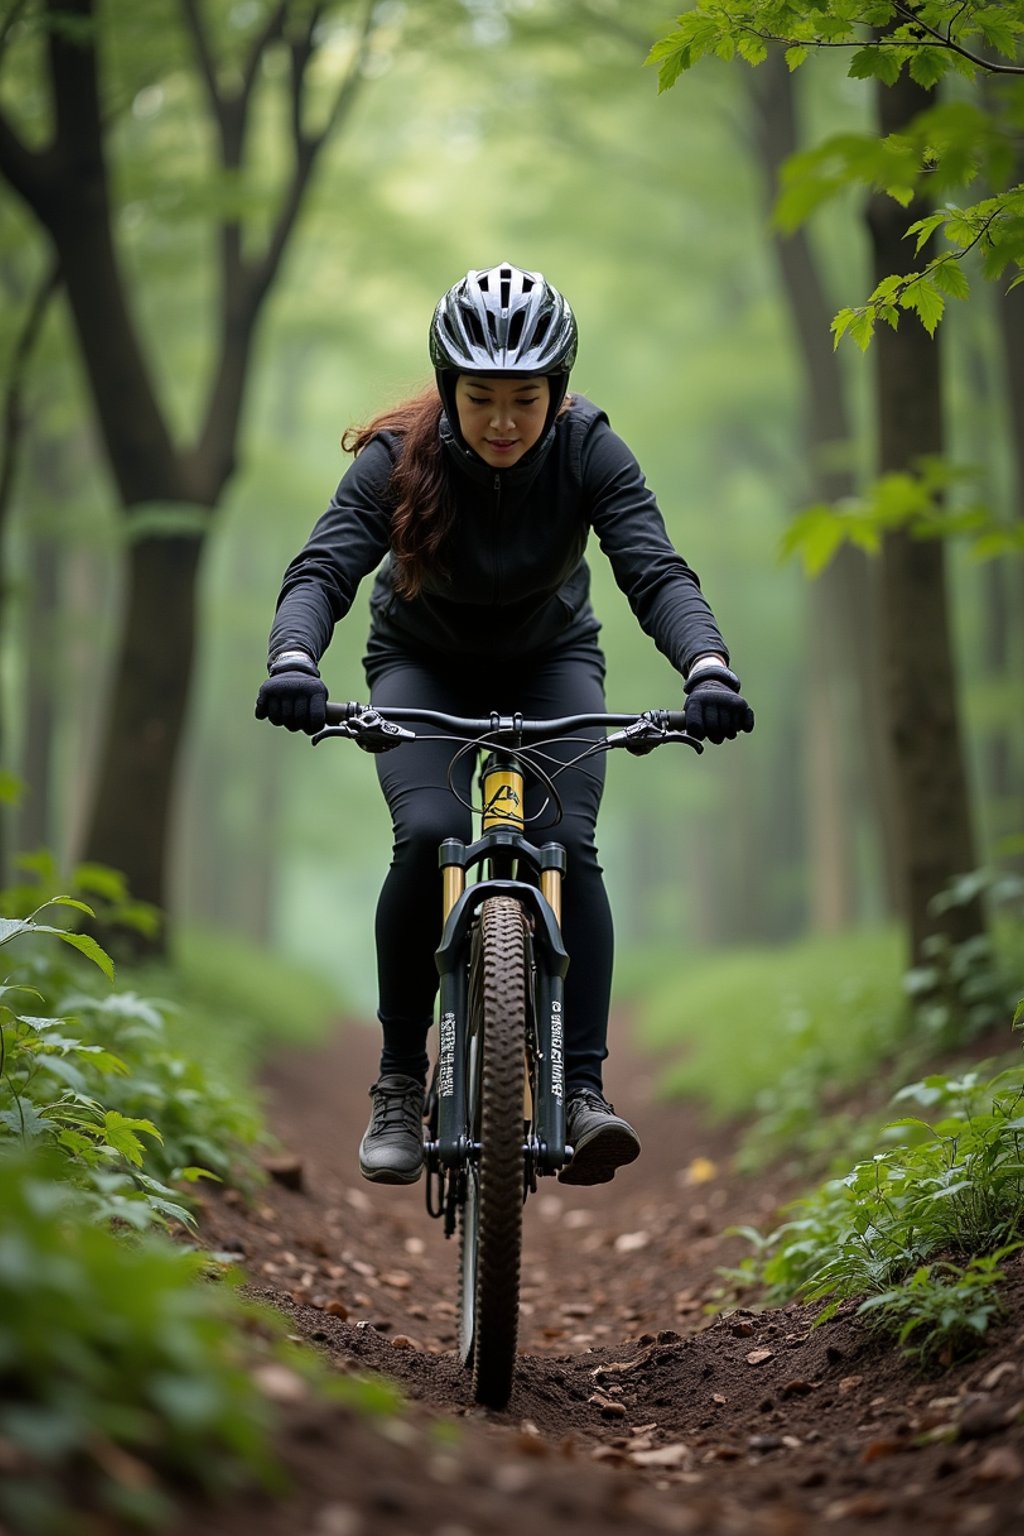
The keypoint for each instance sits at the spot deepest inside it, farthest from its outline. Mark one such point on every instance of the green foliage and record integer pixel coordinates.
(769, 1029)
(942, 35)
(93, 1075)
(94, 888)
(943, 149)
(964, 989)
(117, 1364)
(920, 502)
(785, 1036)
(941, 1313)
(126, 1375)
(890, 1231)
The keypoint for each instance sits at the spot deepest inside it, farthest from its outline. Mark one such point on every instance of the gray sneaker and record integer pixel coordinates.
(391, 1151)
(601, 1140)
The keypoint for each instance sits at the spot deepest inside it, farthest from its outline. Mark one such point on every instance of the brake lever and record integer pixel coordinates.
(689, 741)
(370, 731)
(330, 730)
(644, 735)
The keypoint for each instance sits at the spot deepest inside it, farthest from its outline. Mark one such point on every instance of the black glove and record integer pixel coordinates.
(715, 708)
(293, 695)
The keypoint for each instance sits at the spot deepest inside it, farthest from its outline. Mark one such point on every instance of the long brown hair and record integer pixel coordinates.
(419, 482)
(423, 508)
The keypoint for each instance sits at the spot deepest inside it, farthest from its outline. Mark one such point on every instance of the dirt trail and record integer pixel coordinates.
(634, 1410)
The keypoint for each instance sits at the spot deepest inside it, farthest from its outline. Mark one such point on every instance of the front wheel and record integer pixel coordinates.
(491, 1223)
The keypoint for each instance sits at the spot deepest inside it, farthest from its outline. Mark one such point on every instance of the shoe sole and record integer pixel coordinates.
(390, 1175)
(598, 1155)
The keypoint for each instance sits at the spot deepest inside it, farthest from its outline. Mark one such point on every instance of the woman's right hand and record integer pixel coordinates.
(293, 695)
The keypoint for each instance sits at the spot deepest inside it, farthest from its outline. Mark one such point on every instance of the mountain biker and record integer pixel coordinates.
(478, 496)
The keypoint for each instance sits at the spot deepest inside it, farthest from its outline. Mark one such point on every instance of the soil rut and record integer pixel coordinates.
(634, 1408)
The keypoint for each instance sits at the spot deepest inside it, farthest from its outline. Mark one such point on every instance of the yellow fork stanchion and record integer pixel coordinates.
(551, 890)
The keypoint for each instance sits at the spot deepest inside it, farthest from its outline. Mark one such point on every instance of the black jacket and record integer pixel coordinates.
(516, 580)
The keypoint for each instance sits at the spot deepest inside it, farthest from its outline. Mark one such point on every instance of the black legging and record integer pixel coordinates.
(423, 811)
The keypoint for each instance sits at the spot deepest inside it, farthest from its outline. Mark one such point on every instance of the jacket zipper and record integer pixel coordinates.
(497, 539)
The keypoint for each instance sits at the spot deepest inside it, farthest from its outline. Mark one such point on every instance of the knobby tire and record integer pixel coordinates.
(491, 1221)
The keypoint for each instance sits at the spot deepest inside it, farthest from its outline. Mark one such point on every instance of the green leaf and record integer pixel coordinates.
(752, 49)
(925, 228)
(11, 927)
(672, 68)
(119, 1131)
(998, 29)
(863, 327)
(950, 276)
(795, 57)
(841, 324)
(11, 788)
(928, 66)
(924, 298)
(877, 62)
(88, 947)
(71, 901)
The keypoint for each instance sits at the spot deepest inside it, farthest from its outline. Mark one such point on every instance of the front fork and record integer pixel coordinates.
(450, 1148)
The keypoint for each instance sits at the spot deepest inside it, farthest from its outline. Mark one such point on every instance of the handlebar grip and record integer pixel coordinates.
(338, 713)
(676, 719)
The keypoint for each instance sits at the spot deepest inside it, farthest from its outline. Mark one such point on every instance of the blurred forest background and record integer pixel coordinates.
(291, 187)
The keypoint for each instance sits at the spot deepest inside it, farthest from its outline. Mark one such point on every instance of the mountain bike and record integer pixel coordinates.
(495, 1111)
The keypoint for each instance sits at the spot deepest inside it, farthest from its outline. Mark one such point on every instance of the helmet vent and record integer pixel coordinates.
(515, 329)
(506, 287)
(475, 329)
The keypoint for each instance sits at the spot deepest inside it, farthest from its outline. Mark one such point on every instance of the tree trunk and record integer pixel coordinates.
(136, 773)
(918, 694)
(67, 186)
(52, 475)
(845, 753)
(1008, 767)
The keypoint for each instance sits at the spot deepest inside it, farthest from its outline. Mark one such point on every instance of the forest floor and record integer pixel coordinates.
(634, 1409)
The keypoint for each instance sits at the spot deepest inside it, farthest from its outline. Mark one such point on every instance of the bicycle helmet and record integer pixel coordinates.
(506, 322)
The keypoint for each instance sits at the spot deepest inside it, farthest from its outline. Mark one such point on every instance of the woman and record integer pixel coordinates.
(478, 496)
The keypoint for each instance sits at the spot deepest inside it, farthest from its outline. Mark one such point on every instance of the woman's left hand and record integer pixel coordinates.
(715, 708)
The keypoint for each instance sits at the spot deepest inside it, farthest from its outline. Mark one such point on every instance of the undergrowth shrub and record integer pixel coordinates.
(129, 1365)
(94, 1074)
(918, 1231)
(119, 1369)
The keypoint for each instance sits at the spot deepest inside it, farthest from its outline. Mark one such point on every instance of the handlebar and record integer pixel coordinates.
(381, 729)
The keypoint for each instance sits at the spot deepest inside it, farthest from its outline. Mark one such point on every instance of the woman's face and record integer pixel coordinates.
(501, 419)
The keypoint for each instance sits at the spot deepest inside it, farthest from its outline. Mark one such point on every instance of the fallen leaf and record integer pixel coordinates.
(700, 1171)
(993, 1377)
(876, 1450)
(280, 1384)
(664, 1456)
(1003, 1465)
(850, 1383)
(631, 1242)
(759, 1356)
(860, 1506)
